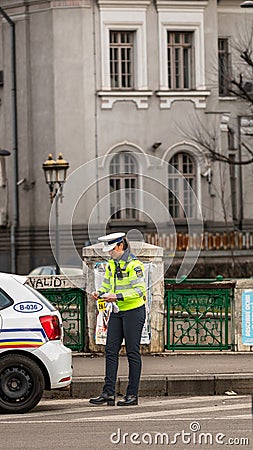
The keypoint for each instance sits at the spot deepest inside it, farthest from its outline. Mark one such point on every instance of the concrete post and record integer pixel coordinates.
(146, 253)
(239, 288)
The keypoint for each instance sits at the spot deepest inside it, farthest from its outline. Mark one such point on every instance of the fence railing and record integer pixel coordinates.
(199, 316)
(234, 240)
(200, 312)
(71, 304)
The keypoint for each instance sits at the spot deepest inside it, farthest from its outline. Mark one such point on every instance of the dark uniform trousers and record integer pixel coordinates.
(128, 325)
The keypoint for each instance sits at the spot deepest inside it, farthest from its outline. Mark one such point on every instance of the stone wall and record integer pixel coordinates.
(146, 253)
(154, 255)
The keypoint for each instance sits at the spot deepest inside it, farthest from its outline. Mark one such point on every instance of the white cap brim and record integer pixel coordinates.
(111, 240)
(109, 247)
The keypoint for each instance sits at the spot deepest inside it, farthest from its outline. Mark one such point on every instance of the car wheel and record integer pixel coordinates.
(21, 384)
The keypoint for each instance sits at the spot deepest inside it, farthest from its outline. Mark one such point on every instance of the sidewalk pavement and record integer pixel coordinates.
(191, 373)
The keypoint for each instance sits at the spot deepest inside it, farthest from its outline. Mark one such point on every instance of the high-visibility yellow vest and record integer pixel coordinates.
(126, 279)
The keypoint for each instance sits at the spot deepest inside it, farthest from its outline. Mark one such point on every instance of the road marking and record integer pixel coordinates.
(152, 403)
(134, 416)
(145, 401)
(184, 419)
(176, 399)
(139, 416)
(158, 402)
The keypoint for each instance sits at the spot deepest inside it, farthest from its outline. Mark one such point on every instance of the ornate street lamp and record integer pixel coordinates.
(55, 176)
(3, 154)
(247, 4)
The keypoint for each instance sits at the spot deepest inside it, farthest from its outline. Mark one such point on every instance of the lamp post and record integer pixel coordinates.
(55, 176)
(15, 218)
(3, 187)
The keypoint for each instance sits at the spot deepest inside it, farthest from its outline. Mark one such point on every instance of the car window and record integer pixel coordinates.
(41, 298)
(5, 300)
(47, 271)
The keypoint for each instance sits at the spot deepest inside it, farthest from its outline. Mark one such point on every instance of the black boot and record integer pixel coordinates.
(128, 400)
(103, 398)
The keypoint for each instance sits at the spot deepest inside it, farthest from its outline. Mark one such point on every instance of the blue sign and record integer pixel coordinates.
(247, 317)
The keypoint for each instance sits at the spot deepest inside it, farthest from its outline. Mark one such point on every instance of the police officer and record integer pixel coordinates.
(123, 284)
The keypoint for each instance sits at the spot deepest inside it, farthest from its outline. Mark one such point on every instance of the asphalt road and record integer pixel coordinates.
(211, 423)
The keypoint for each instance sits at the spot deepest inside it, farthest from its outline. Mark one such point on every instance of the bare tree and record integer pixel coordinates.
(239, 83)
(207, 133)
(240, 80)
(208, 138)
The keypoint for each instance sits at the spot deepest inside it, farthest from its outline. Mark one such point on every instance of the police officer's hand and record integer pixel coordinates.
(110, 298)
(94, 295)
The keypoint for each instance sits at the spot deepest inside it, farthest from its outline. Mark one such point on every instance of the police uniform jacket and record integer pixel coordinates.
(125, 278)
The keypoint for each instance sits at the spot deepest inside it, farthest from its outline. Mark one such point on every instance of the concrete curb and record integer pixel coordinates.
(169, 353)
(164, 385)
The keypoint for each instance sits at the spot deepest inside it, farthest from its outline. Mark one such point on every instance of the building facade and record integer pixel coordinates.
(135, 95)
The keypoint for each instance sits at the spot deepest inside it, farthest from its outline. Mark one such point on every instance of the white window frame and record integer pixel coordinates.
(227, 53)
(121, 176)
(131, 17)
(122, 60)
(175, 17)
(181, 46)
(180, 179)
(104, 169)
(202, 165)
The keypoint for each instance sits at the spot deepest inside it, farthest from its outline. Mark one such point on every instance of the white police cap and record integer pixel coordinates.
(110, 240)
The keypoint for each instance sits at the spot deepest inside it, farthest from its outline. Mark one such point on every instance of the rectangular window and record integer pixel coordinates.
(122, 59)
(181, 189)
(115, 198)
(224, 66)
(123, 198)
(130, 198)
(123, 187)
(174, 205)
(180, 60)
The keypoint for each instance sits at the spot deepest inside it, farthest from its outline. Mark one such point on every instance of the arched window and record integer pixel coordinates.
(182, 189)
(123, 185)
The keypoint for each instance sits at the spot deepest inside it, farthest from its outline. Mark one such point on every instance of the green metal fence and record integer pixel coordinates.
(199, 315)
(71, 304)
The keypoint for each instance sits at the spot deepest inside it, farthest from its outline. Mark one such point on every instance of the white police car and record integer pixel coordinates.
(32, 354)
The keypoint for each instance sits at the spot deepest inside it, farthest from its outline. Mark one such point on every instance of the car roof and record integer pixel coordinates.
(64, 270)
(9, 276)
